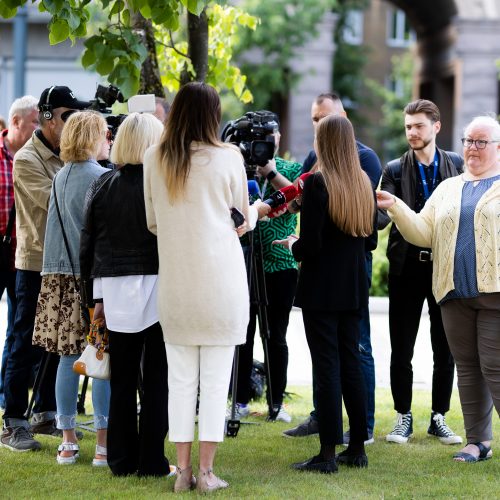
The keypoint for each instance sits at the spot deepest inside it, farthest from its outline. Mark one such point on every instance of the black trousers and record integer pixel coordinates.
(280, 289)
(407, 293)
(333, 339)
(133, 448)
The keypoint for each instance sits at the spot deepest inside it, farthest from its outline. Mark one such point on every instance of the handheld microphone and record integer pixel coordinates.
(254, 189)
(284, 195)
(302, 179)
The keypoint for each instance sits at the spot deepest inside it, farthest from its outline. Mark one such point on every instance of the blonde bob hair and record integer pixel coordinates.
(351, 203)
(82, 136)
(136, 133)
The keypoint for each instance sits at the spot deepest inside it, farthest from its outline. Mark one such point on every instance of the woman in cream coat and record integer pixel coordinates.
(461, 223)
(191, 183)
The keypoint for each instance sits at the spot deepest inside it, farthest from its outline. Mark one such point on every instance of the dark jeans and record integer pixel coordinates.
(407, 293)
(366, 357)
(24, 356)
(333, 339)
(131, 447)
(280, 288)
(7, 282)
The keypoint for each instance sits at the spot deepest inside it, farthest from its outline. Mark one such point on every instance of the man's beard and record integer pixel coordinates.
(419, 148)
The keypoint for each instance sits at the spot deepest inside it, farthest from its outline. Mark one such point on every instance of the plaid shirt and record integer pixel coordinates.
(6, 190)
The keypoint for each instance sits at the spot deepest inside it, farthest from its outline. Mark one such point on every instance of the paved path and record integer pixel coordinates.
(299, 368)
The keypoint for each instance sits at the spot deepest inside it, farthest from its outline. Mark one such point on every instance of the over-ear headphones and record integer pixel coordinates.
(47, 107)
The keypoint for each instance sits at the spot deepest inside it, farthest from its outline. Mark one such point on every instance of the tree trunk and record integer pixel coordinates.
(150, 74)
(197, 47)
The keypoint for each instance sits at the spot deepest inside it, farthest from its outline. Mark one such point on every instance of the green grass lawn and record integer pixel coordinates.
(257, 464)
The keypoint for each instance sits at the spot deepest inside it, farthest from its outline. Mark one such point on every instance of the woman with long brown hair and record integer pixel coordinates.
(338, 209)
(192, 181)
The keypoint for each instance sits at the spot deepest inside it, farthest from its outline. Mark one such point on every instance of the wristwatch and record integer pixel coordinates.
(271, 175)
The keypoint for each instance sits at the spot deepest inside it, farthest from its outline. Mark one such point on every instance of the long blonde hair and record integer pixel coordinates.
(194, 117)
(351, 201)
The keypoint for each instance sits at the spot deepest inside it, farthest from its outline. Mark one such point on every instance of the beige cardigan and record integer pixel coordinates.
(202, 289)
(436, 227)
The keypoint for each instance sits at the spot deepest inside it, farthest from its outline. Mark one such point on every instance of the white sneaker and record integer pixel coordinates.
(402, 430)
(240, 411)
(440, 429)
(282, 415)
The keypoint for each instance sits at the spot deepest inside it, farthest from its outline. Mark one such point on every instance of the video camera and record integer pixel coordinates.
(253, 134)
(104, 98)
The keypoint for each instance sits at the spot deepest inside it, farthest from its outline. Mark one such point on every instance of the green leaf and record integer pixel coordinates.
(59, 31)
(194, 6)
(126, 17)
(6, 12)
(88, 58)
(105, 65)
(118, 6)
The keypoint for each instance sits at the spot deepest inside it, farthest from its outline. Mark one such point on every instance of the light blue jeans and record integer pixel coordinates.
(67, 395)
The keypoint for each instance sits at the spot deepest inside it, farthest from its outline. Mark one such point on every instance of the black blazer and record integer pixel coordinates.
(333, 271)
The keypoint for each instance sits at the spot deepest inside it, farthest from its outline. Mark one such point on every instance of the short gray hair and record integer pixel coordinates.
(488, 121)
(22, 106)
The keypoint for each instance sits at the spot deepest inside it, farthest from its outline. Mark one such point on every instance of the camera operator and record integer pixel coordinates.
(280, 279)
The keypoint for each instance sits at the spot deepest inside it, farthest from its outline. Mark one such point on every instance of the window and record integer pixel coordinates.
(396, 85)
(353, 29)
(399, 33)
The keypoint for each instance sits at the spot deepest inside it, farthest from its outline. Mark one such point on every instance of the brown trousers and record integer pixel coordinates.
(472, 328)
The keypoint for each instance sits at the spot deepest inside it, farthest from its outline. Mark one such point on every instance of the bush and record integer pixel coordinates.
(380, 266)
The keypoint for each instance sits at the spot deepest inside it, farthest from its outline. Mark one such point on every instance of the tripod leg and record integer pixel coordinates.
(233, 424)
(40, 375)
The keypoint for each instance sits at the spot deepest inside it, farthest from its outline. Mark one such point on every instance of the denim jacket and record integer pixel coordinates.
(71, 184)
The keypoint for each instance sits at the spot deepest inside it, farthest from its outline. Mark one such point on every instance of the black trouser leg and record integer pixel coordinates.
(444, 364)
(406, 297)
(322, 337)
(245, 360)
(153, 420)
(351, 376)
(125, 350)
(280, 287)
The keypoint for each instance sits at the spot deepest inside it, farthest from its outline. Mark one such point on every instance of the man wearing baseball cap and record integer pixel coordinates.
(35, 166)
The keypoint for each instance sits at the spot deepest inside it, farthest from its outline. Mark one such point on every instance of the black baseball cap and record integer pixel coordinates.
(61, 97)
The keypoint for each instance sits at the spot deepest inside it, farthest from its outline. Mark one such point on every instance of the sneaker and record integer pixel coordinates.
(440, 429)
(308, 427)
(48, 428)
(19, 439)
(402, 430)
(240, 411)
(280, 415)
(347, 438)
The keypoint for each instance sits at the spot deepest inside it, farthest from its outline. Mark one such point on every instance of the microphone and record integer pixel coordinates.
(254, 189)
(300, 183)
(284, 195)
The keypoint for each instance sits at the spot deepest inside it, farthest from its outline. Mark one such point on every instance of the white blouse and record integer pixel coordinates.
(130, 302)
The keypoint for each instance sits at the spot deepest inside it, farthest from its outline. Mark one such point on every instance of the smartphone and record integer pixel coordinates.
(237, 216)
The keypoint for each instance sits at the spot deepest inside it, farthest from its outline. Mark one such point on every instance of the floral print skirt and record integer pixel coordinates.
(59, 325)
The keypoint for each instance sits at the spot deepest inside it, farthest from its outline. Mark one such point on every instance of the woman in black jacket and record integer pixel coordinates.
(338, 208)
(119, 268)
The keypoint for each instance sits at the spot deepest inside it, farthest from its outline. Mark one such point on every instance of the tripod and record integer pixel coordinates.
(257, 287)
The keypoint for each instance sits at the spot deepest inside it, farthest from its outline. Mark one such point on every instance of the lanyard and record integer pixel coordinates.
(424, 177)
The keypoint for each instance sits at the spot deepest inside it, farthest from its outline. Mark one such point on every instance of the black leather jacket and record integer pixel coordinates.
(400, 178)
(115, 240)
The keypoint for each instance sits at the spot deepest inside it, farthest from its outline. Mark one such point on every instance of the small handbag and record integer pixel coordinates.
(94, 360)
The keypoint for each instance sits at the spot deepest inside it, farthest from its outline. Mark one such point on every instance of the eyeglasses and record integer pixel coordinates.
(479, 143)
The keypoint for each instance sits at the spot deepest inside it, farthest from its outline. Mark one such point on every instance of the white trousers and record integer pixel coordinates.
(208, 367)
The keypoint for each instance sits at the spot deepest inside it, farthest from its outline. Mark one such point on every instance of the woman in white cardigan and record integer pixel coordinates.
(191, 182)
(461, 223)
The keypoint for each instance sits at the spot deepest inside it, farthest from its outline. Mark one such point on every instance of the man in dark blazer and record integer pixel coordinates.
(413, 177)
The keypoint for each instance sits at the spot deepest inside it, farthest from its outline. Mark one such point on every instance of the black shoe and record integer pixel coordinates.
(308, 427)
(19, 439)
(440, 429)
(48, 428)
(358, 460)
(317, 464)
